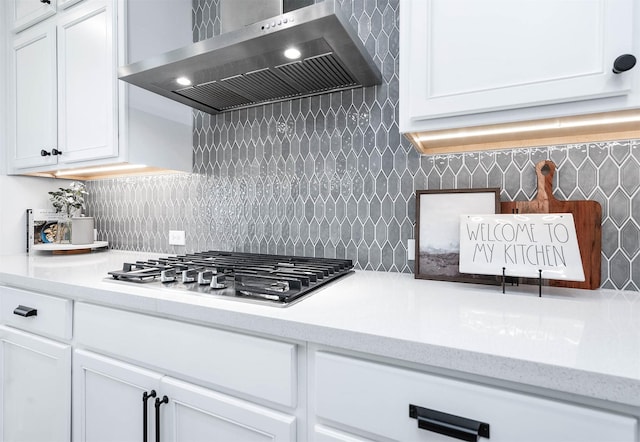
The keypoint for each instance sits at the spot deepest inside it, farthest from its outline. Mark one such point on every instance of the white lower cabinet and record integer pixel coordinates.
(35, 383)
(199, 414)
(375, 401)
(35, 371)
(109, 405)
(203, 383)
(161, 355)
(107, 398)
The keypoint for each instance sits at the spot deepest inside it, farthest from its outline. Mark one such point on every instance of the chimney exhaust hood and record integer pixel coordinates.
(248, 66)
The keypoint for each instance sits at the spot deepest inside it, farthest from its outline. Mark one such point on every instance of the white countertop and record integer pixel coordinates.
(572, 341)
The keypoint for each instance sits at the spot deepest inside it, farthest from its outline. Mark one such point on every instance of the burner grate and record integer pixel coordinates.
(274, 279)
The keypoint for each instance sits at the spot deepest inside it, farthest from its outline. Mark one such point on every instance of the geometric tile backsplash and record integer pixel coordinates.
(331, 175)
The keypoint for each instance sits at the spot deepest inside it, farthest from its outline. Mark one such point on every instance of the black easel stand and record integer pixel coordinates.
(539, 283)
(504, 281)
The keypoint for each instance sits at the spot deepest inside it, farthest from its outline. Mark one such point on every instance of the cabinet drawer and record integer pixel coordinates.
(52, 316)
(255, 366)
(375, 398)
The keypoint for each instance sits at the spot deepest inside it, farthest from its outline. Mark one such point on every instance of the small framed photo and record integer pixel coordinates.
(438, 231)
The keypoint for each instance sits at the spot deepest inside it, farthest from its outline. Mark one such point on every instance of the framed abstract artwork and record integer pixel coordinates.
(438, 230)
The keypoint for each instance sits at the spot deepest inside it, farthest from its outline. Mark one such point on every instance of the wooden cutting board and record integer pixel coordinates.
(587, 216)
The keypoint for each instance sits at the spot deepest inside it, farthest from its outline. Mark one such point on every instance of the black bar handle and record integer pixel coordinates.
(448, 424)
(22, 310)
(145, 397)
(159, 402)
(48, 2)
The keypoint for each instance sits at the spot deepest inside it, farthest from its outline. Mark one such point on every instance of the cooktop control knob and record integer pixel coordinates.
(188, 275)
(167, 275)
(204, 277)
(217, 282)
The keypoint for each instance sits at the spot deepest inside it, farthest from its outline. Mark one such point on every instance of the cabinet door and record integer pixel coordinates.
(465, 56)
(87, 83)
(107, 399)
(29, 12)
(196, 414)
(35, 386)
(33, 108)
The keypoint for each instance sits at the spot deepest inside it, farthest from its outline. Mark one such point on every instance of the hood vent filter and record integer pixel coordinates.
(318, 74)
(311, 76)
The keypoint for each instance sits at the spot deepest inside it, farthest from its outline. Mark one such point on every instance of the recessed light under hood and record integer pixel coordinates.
(247, 67)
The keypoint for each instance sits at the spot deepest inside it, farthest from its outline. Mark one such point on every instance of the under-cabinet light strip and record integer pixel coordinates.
(531, 127)
(98, 169)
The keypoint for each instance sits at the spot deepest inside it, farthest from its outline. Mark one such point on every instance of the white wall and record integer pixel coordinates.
(17, 194)
(3, 90)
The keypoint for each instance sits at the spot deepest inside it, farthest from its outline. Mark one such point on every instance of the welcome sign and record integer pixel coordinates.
(521, 245)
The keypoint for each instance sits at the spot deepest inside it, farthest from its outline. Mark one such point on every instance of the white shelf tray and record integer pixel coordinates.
(53, 247)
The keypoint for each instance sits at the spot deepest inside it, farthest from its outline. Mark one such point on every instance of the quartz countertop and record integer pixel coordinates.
(584, 342)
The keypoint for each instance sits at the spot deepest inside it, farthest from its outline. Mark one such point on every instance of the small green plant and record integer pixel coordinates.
(69, 200)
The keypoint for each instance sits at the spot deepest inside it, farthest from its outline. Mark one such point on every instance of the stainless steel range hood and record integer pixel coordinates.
(247, 67)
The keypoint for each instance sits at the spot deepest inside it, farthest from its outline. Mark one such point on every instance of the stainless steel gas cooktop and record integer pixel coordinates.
(272, 279)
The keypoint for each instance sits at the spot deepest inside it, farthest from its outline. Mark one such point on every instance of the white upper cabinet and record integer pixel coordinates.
(86, 105)
(29, 12)
(67, 108)
(65, 92)
(34, 97)
(467, 63)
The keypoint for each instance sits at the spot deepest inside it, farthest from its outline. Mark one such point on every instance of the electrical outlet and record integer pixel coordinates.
(411, 249)
(176, 238)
